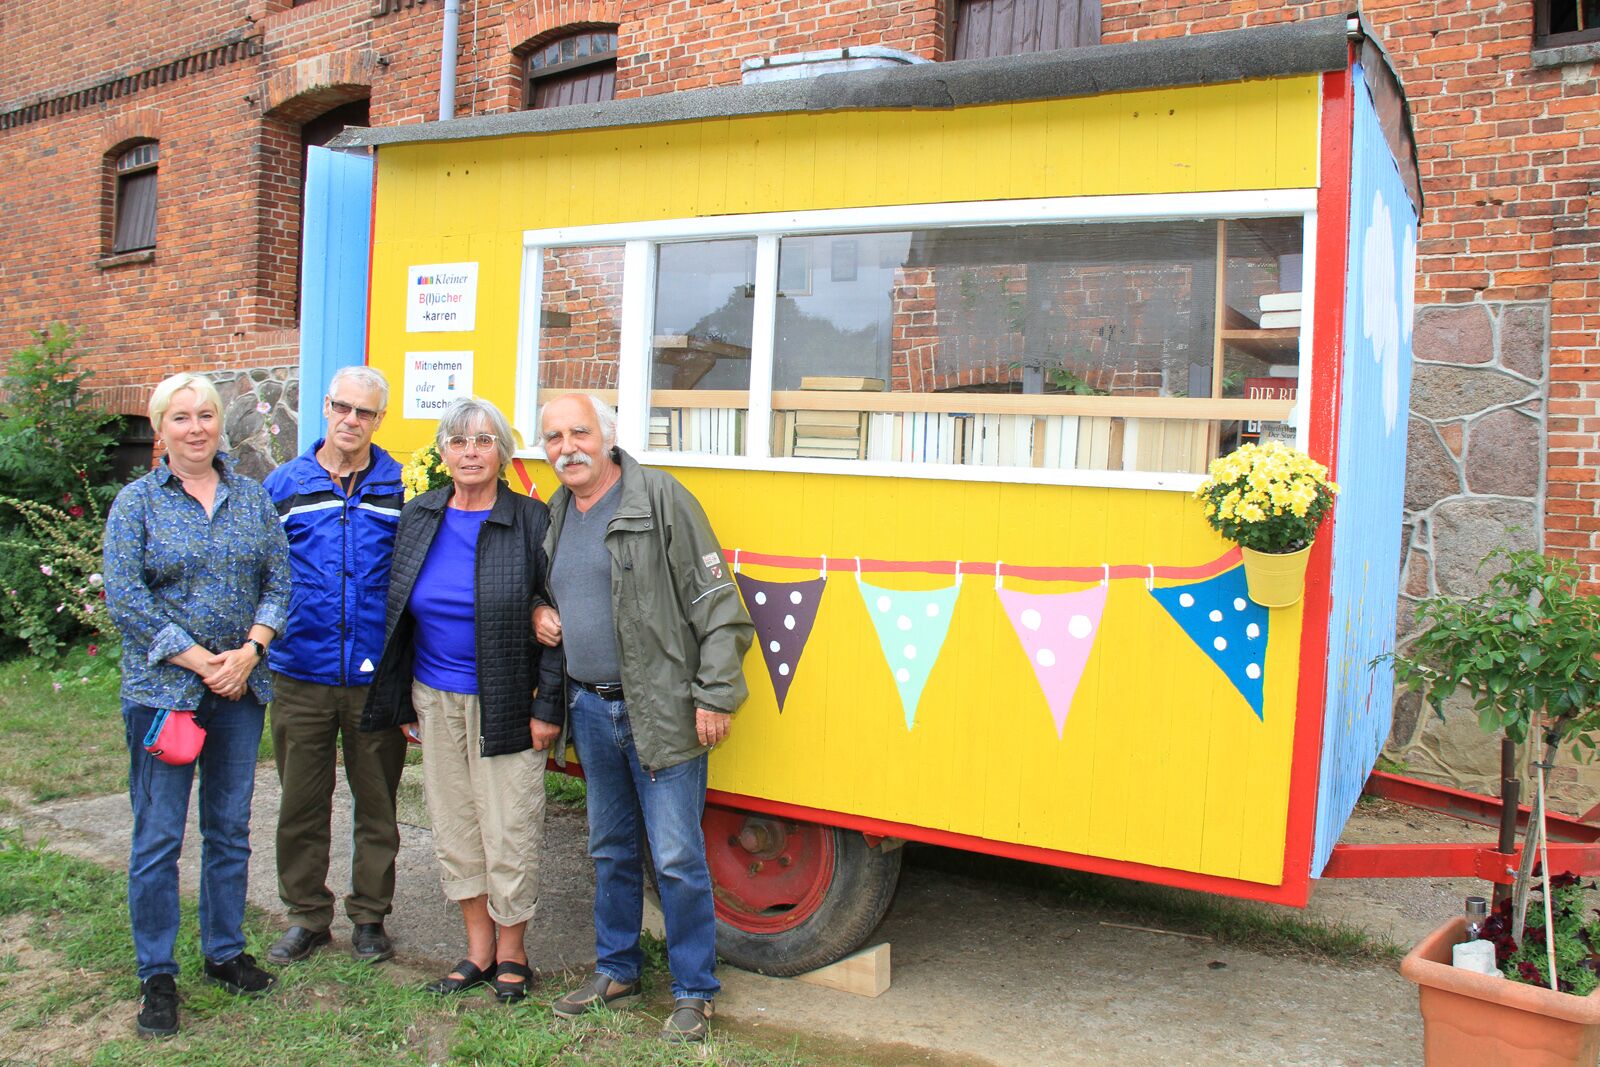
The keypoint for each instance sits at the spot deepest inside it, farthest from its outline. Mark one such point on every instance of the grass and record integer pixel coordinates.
(61, 737)
(1241, 923)
(68, 986)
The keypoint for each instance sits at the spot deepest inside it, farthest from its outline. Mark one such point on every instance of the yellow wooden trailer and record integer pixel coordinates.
(944, 350)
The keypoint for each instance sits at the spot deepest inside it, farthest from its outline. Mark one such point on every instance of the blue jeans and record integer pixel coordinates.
(159, 793)
(626, 803)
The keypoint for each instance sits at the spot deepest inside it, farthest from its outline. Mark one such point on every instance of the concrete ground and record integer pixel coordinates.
(985, 970)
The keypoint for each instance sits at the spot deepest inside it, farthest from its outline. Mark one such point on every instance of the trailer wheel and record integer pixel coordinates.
(793, 896)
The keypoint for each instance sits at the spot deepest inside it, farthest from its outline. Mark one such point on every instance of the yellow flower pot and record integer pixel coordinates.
(1275, 579)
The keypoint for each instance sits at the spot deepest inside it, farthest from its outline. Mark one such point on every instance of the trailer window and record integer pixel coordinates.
(1016, 340)
(700, 346)
(977, 345)
(580, 307)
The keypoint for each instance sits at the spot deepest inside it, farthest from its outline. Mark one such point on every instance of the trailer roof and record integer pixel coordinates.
(1310, 46)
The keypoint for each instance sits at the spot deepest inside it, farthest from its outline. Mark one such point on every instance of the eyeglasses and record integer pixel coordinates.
(482, 441)
(341, 409)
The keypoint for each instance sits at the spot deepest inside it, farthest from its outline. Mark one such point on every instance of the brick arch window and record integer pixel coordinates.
(133, 208)
(577, 67)
(1010, 27)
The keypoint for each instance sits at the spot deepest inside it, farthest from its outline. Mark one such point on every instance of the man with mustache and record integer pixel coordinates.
(632, 553)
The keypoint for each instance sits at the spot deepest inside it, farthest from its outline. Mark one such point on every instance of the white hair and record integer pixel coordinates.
(604, 414)
(366, 378)
(467, 411)
(161, 399)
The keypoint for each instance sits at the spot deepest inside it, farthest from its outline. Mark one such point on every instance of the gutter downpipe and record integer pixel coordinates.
(447, 59)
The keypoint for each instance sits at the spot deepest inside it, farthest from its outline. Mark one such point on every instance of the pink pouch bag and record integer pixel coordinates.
(175, 737)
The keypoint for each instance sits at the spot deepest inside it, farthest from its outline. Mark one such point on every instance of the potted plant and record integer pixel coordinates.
(1527, 651)
(425, 470)
(1269, 499)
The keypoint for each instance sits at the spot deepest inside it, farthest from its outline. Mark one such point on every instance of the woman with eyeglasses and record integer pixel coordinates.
(461, 665)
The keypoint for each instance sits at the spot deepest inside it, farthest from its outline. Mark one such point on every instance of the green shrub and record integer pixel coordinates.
(55, 463)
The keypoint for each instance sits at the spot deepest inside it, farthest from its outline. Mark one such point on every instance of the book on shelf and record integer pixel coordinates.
(1269, 389)
(1280, 320)
(1280, 301)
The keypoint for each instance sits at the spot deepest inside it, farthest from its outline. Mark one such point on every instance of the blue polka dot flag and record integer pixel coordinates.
(912, 626)
(783, 613)
(1227, 625)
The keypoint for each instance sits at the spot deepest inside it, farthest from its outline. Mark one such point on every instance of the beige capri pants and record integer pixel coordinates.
(487, 811)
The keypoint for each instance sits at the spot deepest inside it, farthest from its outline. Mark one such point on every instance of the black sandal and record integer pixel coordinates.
(511, 992)
(471, 975)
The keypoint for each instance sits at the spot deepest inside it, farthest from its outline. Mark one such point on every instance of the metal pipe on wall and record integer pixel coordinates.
(447, 59)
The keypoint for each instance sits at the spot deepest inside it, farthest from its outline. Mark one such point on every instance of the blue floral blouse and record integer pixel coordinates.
(176, 577)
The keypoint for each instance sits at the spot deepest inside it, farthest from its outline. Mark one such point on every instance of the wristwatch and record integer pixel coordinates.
(261, 650)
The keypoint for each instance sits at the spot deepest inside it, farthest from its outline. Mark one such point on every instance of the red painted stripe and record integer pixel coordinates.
(521, 470)
(1333, 225)
(1294, 895)
(848, 565)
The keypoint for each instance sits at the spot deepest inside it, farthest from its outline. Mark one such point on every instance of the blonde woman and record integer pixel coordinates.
(197, 581)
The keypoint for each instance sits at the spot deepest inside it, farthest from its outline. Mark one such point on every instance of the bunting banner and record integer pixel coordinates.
(1057, 631)
(911, 626)
(783, 613)
(1220, 617)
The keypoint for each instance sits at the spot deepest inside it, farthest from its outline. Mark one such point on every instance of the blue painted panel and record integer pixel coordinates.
(333, 276)
(1375, 395)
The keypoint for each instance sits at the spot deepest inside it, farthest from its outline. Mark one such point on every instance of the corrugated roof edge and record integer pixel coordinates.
(1311, 46)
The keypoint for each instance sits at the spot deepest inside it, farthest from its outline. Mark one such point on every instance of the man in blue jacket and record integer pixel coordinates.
(339, 503)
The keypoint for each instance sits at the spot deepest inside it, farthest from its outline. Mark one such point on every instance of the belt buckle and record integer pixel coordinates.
(608, 692)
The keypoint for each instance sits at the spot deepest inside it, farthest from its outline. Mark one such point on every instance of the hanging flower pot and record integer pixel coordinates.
(1269, 499)
(1275, 579)
(1489, 1021)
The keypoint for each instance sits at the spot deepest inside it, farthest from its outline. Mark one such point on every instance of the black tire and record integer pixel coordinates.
(852, 903)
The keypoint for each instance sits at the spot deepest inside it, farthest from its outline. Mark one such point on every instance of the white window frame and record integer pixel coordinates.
(640, 239)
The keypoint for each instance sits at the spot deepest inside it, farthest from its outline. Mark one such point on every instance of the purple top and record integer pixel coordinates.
(441, 602)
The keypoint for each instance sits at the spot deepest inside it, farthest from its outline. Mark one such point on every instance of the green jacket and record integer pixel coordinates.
(682, 630)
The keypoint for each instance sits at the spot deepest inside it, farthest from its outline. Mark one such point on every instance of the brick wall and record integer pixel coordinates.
(225, 85)
(1509, 155)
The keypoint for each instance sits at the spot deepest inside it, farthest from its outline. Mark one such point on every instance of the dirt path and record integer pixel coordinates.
(986, 971)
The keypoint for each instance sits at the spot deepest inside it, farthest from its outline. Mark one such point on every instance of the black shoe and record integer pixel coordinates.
(296, 944)
(240, 976)
(158, 1006)
(369, 944)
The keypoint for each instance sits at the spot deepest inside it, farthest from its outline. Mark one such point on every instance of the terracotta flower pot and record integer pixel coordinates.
(1275, 579)
(1484, 1021)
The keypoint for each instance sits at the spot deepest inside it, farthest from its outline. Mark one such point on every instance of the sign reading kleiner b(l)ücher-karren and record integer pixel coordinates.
(441, 297)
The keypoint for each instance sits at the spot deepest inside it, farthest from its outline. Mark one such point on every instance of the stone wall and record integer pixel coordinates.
(1475, 481)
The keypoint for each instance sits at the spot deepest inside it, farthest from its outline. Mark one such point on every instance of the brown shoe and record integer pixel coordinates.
(595, 994)
(687, 1023)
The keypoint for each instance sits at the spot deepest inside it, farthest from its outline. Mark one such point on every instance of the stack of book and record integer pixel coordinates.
(1280, 311)
(828, 434)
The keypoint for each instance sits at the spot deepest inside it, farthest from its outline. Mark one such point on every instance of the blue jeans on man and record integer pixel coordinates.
(159, 793)
(627, 803)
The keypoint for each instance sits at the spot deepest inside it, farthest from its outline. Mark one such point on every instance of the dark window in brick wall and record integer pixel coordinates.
(1563, 22)
(135, 226)
(1009, 27)
(578, 68)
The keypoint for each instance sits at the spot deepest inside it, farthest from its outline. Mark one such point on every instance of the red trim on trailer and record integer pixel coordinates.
(1333, 224)
(1452, 861)
(1472, 807)
(1143, 872)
